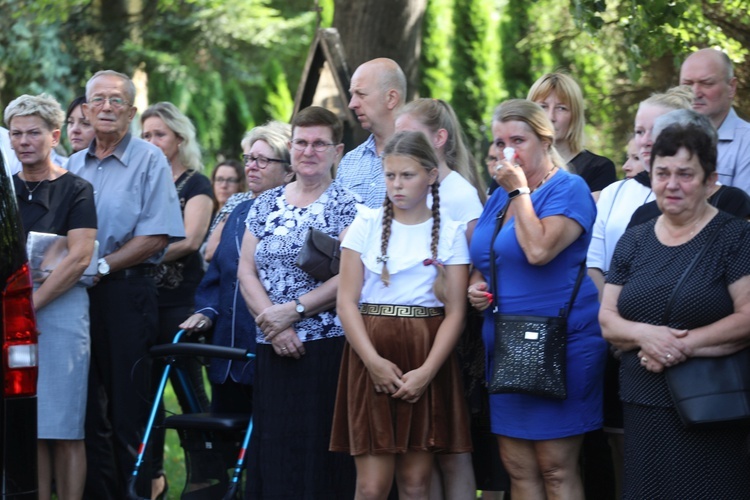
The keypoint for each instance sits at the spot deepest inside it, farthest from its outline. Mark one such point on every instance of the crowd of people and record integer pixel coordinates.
(357, 389)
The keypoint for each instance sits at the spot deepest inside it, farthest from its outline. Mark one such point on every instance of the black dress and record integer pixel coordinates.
(662, 459)
(598, 171)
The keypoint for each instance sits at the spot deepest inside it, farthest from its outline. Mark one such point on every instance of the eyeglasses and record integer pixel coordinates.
(227, 180)
(261, 161)
(115, 102)
(491, 159)
(318, 146)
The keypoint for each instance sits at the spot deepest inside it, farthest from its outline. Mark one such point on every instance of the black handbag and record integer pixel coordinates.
(709, 392)
(530, 351)
(320, 255)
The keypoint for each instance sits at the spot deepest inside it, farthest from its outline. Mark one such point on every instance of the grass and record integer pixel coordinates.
(174, 458)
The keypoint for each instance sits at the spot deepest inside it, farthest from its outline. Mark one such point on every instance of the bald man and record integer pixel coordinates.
(378, 90)
(710, 74)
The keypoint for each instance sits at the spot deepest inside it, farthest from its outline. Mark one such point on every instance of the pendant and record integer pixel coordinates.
(29, 196)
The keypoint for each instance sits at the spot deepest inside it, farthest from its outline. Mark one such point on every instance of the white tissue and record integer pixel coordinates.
(509, 153)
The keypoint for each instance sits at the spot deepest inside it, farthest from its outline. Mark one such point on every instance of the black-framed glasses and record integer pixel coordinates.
(115, 102)
(318, 146)
(261, 161)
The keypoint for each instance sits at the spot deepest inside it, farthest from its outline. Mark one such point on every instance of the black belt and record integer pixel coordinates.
(137, 271)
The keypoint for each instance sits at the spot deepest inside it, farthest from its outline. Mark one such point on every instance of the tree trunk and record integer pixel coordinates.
(383, 28)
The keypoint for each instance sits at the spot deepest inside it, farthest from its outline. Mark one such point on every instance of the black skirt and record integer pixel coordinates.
(664, 461)
(293, 403)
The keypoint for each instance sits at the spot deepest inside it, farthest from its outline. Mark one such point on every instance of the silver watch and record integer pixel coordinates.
(102, 267)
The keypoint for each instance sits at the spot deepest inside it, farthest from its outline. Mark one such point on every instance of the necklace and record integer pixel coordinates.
(671, 234)
(31, 191)
(544, 179)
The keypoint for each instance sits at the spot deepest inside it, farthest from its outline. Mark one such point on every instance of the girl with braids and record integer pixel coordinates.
(462, 190)
(401, 303)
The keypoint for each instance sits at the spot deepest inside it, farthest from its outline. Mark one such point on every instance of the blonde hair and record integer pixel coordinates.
(679, 97)
(188, 151)
(436, 114)
(43, 105)
(416, 146)
(569, 92)
(530, 113)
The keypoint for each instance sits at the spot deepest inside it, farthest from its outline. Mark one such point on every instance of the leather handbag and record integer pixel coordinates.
(320, 255)
(709, 392)
(530, 351)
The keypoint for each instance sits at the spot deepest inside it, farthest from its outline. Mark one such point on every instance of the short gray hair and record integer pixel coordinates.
(685, 117)
(44, 106)
(277, 135)
(129, 85)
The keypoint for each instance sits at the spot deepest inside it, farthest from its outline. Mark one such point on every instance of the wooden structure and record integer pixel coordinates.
(325, 82)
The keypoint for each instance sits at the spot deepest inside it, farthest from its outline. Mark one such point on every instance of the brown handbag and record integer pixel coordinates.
(320, 255)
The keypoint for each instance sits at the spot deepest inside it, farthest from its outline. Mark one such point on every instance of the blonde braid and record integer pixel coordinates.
(385, 276)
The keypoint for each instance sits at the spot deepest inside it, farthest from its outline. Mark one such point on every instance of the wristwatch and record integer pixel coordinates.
(300, 308)
(518, 192)
(102, 267)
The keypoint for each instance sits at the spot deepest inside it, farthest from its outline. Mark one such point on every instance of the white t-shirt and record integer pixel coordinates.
(615, 207)
(408, 247)
(458, 199)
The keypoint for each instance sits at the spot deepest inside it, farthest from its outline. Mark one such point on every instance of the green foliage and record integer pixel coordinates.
(31, 62)
(280, 103)
(437, 51)
(474, 92)
(514, 26)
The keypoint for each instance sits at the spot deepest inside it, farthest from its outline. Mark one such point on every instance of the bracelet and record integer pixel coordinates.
(518, 192)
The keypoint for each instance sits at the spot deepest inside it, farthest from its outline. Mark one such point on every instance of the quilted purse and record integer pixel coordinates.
(530, 351)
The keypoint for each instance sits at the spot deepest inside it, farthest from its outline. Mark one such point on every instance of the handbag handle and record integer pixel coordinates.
(689, 269)
(564, 312)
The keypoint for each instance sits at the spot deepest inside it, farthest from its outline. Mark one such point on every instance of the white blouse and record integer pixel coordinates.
(409, 245)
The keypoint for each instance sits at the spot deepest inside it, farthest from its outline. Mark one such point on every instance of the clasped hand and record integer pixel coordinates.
(389, 379)
(662, 347)
(275, 319)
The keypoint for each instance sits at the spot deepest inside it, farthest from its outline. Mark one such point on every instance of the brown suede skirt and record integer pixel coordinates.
(365, 421)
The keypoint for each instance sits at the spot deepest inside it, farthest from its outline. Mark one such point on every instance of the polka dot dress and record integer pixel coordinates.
(662, 460)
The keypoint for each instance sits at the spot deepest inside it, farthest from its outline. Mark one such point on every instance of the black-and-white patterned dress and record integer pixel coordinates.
(662, 459)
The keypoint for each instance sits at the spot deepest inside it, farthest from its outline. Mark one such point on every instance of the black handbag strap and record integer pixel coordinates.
(689, 269)
(564, 312)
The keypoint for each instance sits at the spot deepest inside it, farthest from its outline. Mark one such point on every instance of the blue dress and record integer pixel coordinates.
(543, 290)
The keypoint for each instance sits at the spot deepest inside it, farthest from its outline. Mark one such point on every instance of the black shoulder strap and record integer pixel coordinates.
(493, 272)
(689, 269)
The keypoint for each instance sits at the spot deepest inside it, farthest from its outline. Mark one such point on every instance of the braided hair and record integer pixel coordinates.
(416, 146)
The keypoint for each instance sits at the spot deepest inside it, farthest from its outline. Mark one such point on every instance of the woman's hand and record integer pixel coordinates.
(479, 296)
(286, 343)
(276, 318)
(414, 383)
(662, 347)
(196, 323)
(510, 177)
(385, 375)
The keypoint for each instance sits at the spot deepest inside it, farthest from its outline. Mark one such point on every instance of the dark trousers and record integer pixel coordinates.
(124, 323)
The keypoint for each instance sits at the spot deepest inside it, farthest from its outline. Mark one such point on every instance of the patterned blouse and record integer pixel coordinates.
(281, 229)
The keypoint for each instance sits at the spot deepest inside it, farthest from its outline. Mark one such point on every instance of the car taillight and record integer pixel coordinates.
(19, 336)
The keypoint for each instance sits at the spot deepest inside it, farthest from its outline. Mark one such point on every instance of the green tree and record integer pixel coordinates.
(475, 91)
(436, 70)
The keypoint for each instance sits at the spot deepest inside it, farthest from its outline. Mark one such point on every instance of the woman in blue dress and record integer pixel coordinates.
(539, 251)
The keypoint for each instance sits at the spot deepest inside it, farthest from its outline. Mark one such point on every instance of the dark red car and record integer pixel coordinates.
(18, 460)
